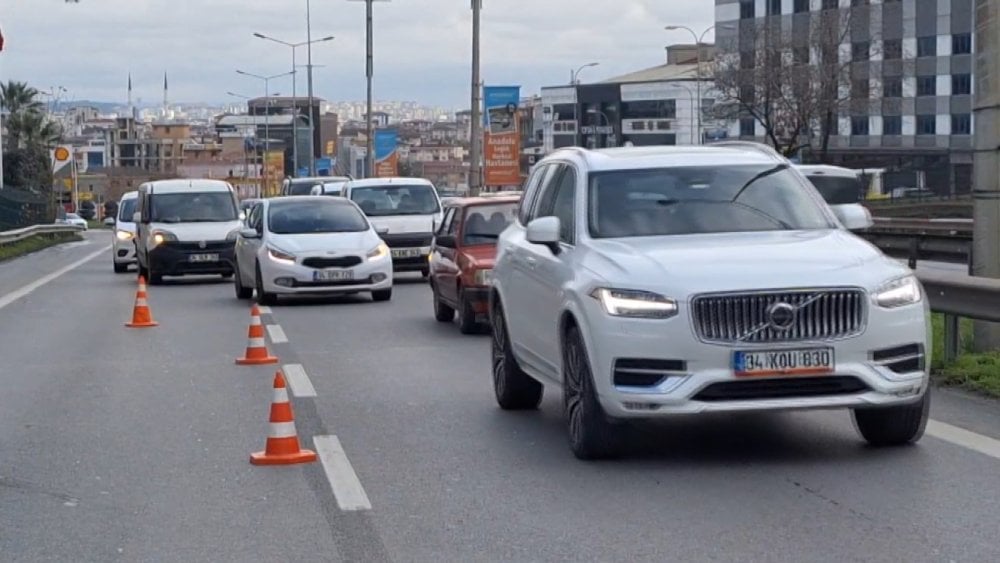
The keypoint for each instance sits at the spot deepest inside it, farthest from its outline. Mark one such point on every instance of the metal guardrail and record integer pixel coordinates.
(958, 296)
(7, 237)
(944, 240)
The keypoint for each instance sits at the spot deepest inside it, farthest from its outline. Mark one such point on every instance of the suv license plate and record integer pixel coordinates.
(203, 258)
(333, 275)
(406, 252)
(805, 361)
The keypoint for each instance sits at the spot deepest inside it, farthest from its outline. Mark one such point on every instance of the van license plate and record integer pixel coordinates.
(203, 258)
(333, 275)
(406, 252)
(806, 361)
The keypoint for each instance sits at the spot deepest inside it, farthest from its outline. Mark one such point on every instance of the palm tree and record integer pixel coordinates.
(18, 96)
(27, 125)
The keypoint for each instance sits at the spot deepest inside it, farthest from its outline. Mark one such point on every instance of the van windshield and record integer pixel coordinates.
(380, 201)
(126, 210)
(193, 207)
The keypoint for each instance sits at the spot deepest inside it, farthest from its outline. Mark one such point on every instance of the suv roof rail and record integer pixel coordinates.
(759, 148)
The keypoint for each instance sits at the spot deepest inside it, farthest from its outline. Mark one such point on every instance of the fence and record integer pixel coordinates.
(20, 208)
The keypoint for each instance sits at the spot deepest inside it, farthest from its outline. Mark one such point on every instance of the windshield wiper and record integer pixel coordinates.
(763, 174)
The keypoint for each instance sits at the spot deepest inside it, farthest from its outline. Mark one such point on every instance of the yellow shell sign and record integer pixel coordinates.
(61, 154)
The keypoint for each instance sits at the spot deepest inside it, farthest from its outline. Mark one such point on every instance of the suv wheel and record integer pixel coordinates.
(894, 426)
(382, 295)
(591, 434)
(155, 278)
(442, 312)
(120, 268)
(514, 389)
(263, 297)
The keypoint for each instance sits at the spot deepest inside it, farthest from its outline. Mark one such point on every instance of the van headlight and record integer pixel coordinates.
(483, 277)
(635, 304)
(281, 256)
(123, 235)
(160, 237)
(899, 292)
(379, 251)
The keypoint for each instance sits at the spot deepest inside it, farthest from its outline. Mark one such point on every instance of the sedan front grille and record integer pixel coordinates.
(779, 316)
(413, 240)
(333, 262)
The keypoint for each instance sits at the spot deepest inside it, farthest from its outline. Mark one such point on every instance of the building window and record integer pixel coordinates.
(961, 44)
(858, 3)
(892, 49)
(746, 9)
(927, 46)
(748, 126)
(961, 84)
(961, 124)
(926, 85)
(860, 51)
(926, 124)
(800, 55)
(801, 6)
(831, 4)
(892, 125)
(774, 7)
(661, 109)
(893, 88)
(860, 89)
(859, 125)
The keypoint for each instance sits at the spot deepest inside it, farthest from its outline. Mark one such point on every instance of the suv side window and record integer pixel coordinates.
(559, 199)
(531, 191)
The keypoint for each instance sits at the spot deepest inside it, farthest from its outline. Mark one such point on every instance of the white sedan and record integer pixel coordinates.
(304, 245)
(73, 219)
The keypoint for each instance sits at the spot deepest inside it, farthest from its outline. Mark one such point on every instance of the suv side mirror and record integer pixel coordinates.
(854, 216)
(446, 241)
(545, 231)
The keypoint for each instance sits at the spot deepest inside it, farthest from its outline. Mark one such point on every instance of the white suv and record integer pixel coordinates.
(649, 282)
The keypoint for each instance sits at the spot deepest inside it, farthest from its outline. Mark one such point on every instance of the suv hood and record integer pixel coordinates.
(692, 264)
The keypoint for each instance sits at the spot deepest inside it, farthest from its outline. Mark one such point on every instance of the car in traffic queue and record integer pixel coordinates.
(123, 242)
(405, 212)
(304, 185)
(659, 281)
(304, 245)
(185, 227)
(334, 189)
(462, 255)
(73, 219)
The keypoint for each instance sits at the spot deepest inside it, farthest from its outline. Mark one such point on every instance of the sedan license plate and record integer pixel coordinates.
(333, 275)
(406, 252)
(806, 361)
(203, 258)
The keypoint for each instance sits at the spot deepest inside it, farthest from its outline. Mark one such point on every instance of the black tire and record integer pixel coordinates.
(263, 297)
(242, 292)
(442, 312)
(155, 278)
(120, 268)
(466, 316)
(426, 273)
(514, 389)
(591, 434)
(894, 426)
(382, 295)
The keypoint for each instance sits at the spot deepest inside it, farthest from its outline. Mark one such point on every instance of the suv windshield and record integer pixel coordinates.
(838, 190)
(379, 201)
(695, 200)
(127, 209)
(301, 217)
(484, 223)
(205, 207)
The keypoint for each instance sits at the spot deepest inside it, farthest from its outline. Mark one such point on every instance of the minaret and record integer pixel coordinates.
(131, 108)
(166, 107)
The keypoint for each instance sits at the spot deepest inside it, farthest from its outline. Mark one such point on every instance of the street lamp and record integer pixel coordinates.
(267, 113)
(369, 72)
(697, 45)
(295, 103)
(574, 76)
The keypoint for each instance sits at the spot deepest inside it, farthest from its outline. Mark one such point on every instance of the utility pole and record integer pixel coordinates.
(369, 73)
(475, 154)
(309, 74)
(986, 159)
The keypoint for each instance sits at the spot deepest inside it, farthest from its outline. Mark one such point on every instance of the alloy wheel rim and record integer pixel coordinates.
(574, 390)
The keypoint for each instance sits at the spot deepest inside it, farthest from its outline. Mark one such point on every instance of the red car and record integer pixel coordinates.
(462, 255)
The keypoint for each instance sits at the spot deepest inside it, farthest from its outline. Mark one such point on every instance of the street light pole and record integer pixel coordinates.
(267, 119)
(476, 152)
(309, 75)
(697, 45)
(369, 73)
(574, 80)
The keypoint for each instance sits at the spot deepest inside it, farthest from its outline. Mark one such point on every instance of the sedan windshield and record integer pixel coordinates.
(695, 200)
(193, 207)
(484, 223)
(379, 201)
(321, 216)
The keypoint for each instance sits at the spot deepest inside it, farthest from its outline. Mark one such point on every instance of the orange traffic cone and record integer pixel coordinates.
(282, 440)
(256, 353)
(141, 315)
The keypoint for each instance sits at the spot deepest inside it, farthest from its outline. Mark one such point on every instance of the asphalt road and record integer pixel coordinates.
(132, 445)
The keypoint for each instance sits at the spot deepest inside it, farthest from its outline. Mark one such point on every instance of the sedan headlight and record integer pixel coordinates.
(279, 255)
(635, 304)
(123, 235)
(899, 292)
(160, 237)
(483, 277)
(379, 251)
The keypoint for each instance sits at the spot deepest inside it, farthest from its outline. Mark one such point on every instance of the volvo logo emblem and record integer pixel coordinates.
(201, 244)
(781, 316)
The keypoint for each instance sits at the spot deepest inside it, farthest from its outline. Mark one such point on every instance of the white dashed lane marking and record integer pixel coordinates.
(298, 380)
(965, 438)
(343, 480)
(277, 334)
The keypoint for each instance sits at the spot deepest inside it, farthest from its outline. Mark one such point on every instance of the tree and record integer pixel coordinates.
(27, 124)
(796, 82)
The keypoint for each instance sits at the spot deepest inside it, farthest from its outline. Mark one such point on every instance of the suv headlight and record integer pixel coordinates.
(483, 277)
(379, 251)
(123, 235)
(898, 292)
(635, 304)
(160, 237)
(279, 255)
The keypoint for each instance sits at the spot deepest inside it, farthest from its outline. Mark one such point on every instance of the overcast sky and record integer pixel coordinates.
(422, 47)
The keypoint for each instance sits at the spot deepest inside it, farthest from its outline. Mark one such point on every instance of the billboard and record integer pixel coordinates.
(502, 142)
(386, 153)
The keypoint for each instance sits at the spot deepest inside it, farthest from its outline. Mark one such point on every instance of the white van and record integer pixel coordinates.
(186, 227)
(304, 186)
(404, 211)
(837, 185)
(123, 243)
